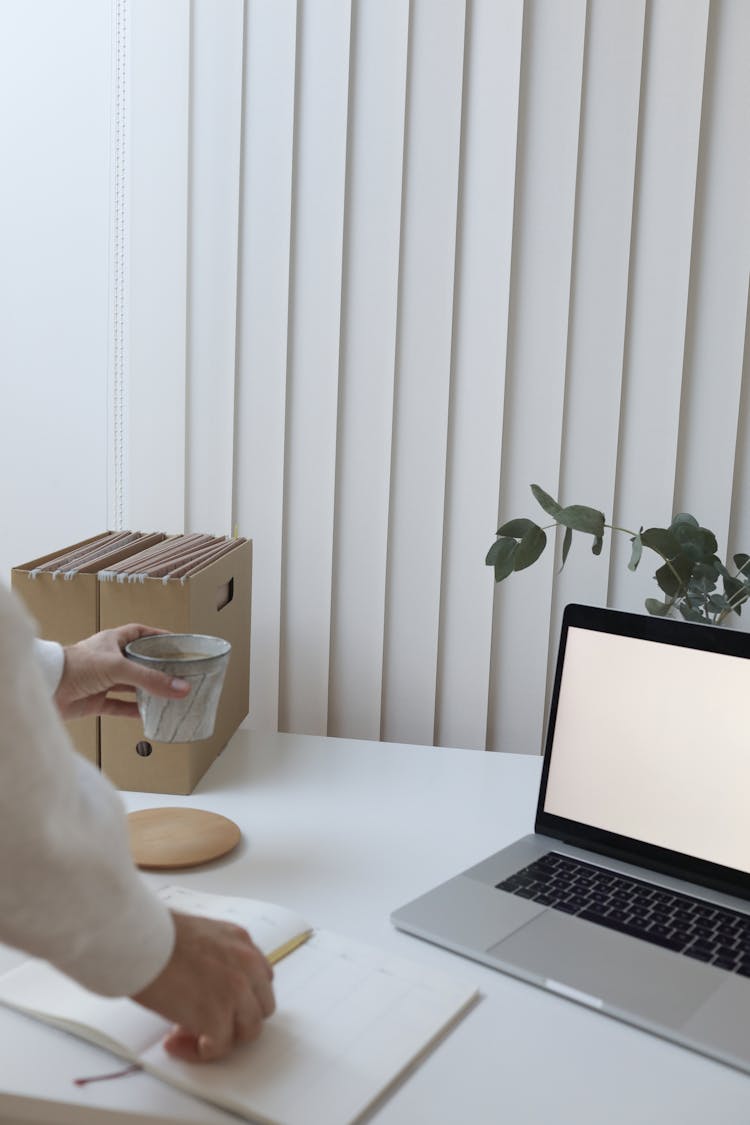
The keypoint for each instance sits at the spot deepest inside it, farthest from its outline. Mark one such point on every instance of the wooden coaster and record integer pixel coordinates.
(170, 838)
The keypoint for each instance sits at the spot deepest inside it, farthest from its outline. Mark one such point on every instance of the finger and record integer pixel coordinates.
(265, 966)
(155, 683)
(248, 1024)
(265, 997)
(210, 1048)
(119, 708)
(260, 958)
(127, 633)
(215, 1030)
(182, 1044)
(241, 933)
(260, 975)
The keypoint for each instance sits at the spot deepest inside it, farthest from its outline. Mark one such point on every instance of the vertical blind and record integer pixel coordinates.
(392, 261)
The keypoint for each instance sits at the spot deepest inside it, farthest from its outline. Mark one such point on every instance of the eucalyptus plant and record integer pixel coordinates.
(692, 577)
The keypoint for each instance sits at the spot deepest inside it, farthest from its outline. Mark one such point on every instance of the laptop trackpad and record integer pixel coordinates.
(723, 1020)
(623, 972)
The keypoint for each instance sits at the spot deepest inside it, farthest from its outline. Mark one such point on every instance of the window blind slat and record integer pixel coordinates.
(490, 126)
(660, 275)
(215, 149)
(551, 76)
(158, 224)
(321, 110)
(370, 286)
(423, 362)
(262, 313)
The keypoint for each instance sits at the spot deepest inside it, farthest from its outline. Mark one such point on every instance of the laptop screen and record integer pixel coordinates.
(650, 738)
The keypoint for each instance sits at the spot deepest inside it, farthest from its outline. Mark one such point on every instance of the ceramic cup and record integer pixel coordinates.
(200, 660)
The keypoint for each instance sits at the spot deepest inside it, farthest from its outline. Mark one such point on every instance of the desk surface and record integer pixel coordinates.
(343, 832)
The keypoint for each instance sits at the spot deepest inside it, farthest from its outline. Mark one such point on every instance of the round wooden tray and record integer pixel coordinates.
(171, 838)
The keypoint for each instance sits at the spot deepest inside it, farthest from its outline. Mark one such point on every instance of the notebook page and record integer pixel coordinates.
(349, 1020)
(274, 929)
(121, 1025)
(126, 1028)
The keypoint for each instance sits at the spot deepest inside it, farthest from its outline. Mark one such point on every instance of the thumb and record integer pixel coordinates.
(157, 683)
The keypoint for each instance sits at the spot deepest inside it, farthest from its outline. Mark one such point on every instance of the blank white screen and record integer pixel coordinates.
(652, 741)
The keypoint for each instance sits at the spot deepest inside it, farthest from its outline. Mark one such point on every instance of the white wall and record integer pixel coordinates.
(383, 263)
(55, 278)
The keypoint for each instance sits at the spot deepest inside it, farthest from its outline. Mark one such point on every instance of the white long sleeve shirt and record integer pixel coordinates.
(69, 891)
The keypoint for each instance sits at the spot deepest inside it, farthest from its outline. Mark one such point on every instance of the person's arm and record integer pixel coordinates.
(69, 891)
(80, 676)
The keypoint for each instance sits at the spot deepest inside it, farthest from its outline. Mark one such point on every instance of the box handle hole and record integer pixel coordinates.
(224, 594)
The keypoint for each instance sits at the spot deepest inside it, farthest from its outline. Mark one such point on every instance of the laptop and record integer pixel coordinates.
(632, 895)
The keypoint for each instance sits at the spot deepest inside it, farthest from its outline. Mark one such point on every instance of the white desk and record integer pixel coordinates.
(344, 832)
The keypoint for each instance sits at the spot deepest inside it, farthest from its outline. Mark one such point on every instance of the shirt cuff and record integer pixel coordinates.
(50, 657)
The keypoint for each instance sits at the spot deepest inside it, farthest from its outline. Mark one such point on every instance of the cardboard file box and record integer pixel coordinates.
(214, 600)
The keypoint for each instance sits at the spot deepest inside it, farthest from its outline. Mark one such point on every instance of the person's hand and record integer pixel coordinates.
(216, 987)
(97, 665)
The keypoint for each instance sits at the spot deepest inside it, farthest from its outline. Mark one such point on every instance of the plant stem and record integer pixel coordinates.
(738, 598)
(633, 534)
(741, 596)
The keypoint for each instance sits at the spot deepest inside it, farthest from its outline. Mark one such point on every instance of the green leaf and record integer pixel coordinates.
(693, 615)
(703, 579)
(501, 555)
(710, 569)
(673, 577)
(596, 546)
(498, 550)
(720, 568)
(742, 562)
(697, 543)
(581, 518)
(530, 548)
(660, 540)
(567, 540)
(683, 517)
(516, 528)
(737, 593)
(732, 586)
(657, 608)
(551, 507)
(636, 553)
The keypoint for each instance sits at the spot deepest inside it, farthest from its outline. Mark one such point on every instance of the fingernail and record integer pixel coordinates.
(205, 1046)
(179, 685)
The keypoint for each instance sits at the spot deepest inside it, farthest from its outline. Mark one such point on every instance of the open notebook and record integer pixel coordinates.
(349, 1020)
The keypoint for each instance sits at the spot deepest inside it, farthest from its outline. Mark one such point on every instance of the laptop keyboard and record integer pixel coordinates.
(674, 921)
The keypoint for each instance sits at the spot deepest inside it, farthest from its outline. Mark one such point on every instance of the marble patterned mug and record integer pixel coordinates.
(195, 657)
